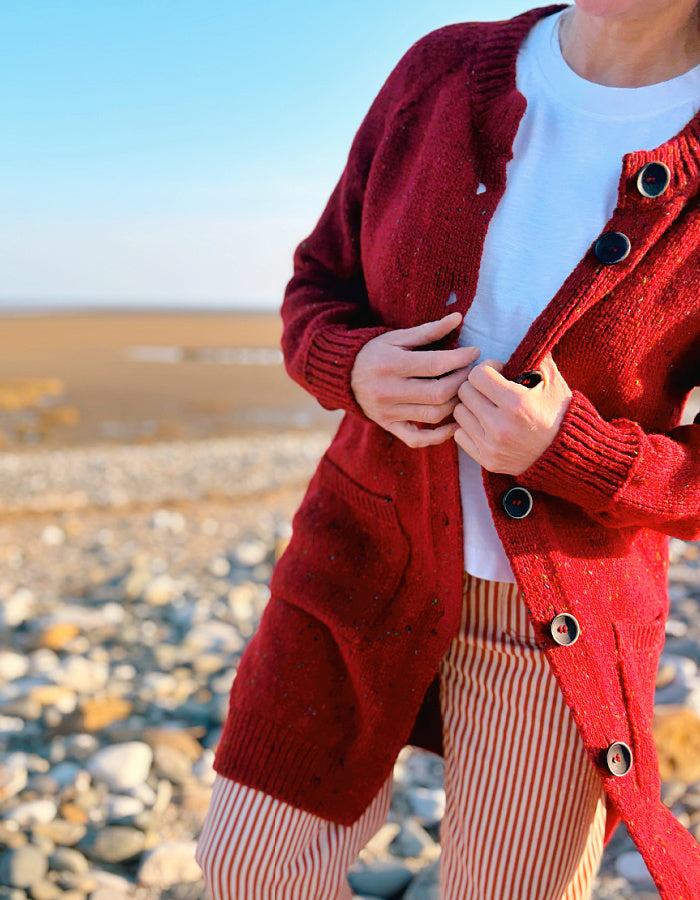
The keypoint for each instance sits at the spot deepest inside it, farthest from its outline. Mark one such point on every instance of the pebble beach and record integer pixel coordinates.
(132, 575)
(124, 613)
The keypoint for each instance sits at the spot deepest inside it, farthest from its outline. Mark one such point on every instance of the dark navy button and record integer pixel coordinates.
(529, 379)
(565, 629)
(619, 758)
(517, 502)
(653, 179)
(612, 247)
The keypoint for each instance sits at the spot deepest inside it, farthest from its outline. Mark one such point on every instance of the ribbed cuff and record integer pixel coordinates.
(589, 460)
(329, 362)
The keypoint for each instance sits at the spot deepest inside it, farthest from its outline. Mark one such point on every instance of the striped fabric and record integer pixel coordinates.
(525, 813)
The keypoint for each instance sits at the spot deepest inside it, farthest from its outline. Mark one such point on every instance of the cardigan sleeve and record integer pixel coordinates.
(620, 475)
(326, 313)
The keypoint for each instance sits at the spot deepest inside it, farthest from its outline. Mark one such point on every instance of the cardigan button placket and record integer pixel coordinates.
(564, 629)
(619, 758)
(653, 179)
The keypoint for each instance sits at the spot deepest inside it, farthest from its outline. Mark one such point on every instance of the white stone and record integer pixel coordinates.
(159, 684)
(219, 566)
(80, 674)
(34, 812)
(428, 804)
(12, 665)
(161, 590)
(144, 793)
(214, 636)
(675, 628)
(120, 806)
(13, 778)
(122, 766)
(53, 536)
(167, 520)
(250, 552)
(43, 660)
(11, 724)
(17, 608)
(169, 864)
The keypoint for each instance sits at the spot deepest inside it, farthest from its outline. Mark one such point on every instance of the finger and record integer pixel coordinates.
(430, 415)
(414, 436)
(474, 400)
(465, 441)
(469, 422)
(489, 382)
(436, 363)
(549, 368)
(432, 391)
(427, 333)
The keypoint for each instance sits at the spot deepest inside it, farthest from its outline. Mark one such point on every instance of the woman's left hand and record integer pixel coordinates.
(504, 426)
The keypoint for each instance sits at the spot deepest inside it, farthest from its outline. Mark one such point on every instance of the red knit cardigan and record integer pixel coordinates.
(341, 672)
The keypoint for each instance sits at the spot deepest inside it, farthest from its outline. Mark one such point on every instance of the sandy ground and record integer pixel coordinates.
(121, 399)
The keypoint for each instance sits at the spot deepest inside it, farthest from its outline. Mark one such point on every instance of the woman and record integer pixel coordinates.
(526, 191)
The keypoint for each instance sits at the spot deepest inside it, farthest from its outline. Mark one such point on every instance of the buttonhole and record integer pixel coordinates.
(451, 299)
(481, 189)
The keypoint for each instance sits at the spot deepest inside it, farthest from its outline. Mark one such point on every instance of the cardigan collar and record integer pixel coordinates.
(499, 106)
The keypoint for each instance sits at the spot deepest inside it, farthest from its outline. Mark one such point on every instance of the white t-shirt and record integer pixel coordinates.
(561, 189)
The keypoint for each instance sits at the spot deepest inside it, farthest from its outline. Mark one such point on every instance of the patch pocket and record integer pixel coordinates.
(347, 555)
(639, 647)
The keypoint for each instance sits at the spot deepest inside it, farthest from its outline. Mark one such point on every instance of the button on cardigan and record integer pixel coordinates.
(341, 672)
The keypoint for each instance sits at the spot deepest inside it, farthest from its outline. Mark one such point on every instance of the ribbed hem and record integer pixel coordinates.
(329, 363)
(272, 758)
(588, 461)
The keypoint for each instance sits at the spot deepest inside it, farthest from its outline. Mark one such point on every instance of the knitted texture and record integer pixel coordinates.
(365, 601)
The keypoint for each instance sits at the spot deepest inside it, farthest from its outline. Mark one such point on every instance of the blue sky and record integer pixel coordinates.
(174, 152)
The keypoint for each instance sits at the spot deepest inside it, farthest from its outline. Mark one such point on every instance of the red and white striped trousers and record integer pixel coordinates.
(525, 812)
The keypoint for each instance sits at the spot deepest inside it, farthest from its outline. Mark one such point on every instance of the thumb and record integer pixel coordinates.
(427, 333)
(548, 367)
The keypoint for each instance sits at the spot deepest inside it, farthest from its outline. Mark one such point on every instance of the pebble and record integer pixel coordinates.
(161, 590)
(61, 832)
(631, 866)
(23, 867)
(17, 608)
(172, 764)
(123, 807)
(380, 878)
(122, 766)
(169, 864)
(428, 804)
(13, 779)
(12, 665)
(113, 844)
(67, 859)
(412, 840)
(426, 884)
(34, 812)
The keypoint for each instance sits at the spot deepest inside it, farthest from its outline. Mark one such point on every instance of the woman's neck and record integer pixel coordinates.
(632, 50)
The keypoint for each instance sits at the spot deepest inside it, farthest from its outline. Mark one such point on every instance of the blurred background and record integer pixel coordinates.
(160, 161)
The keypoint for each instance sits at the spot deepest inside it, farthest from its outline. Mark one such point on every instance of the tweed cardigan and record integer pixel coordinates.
(341, 672)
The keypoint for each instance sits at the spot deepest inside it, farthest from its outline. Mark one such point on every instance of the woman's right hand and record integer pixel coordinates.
(401, 387)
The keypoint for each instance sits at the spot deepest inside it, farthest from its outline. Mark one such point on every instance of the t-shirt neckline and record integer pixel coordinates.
(600, 100)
